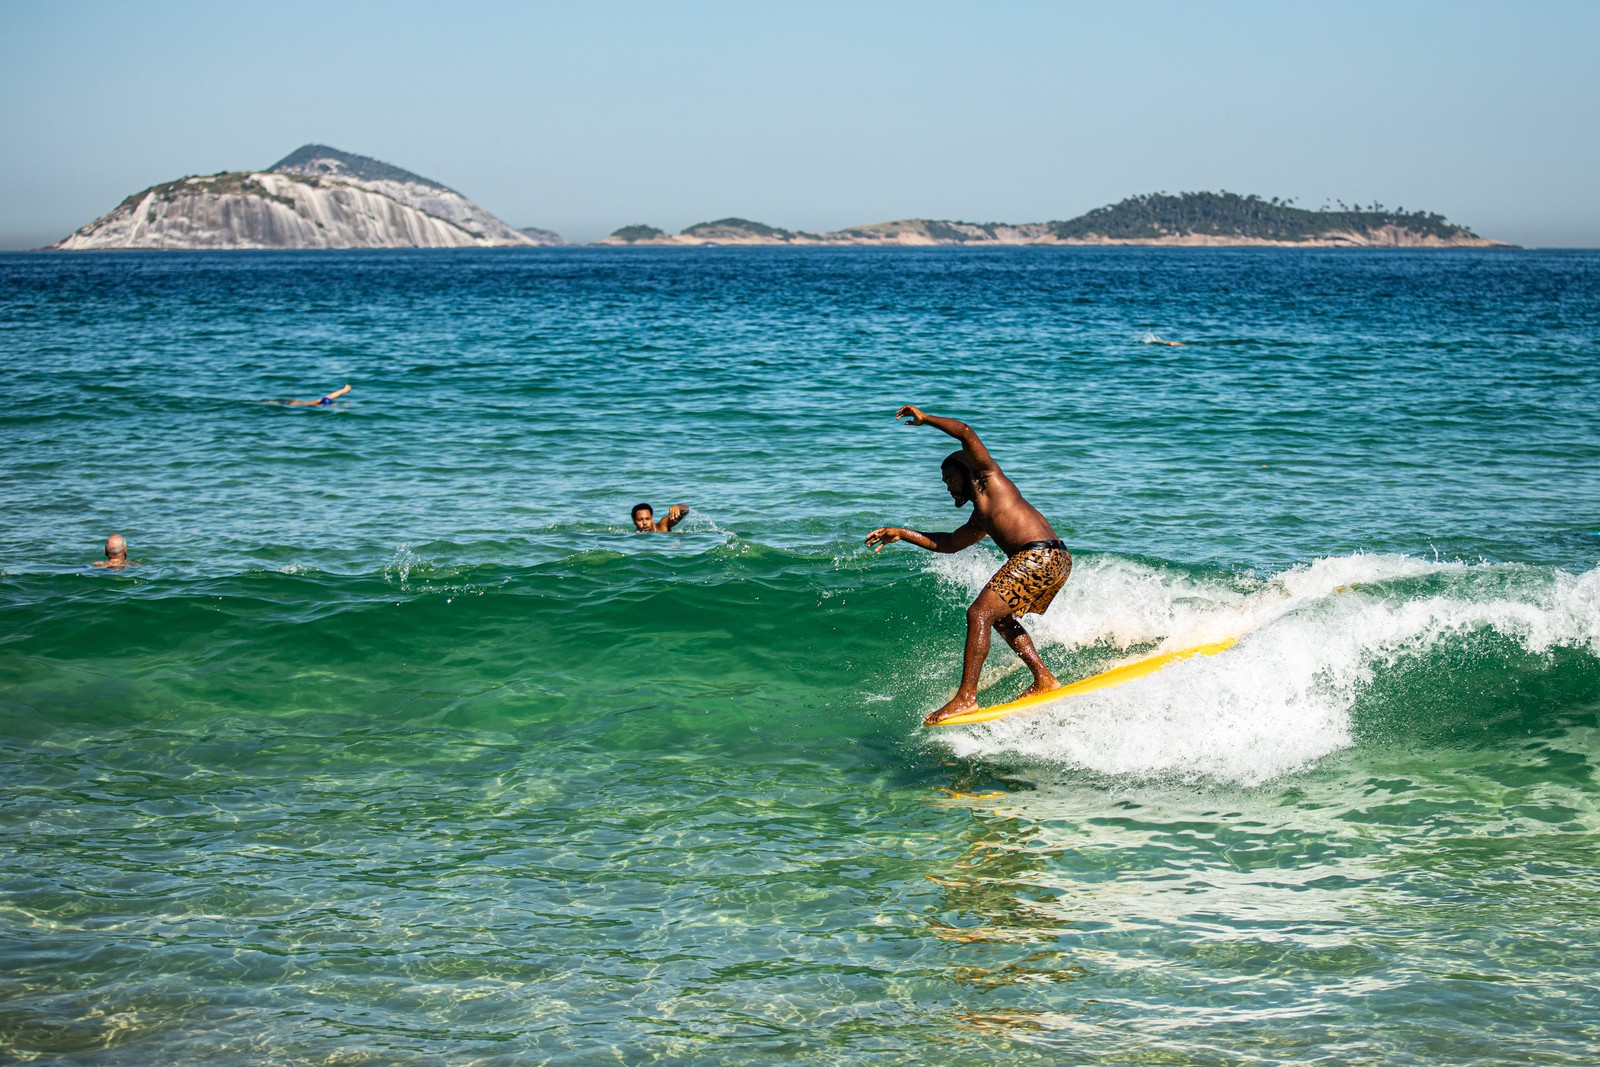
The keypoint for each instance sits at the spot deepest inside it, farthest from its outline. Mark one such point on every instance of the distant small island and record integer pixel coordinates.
(315, 197)
(1185, 219)
(322, 197)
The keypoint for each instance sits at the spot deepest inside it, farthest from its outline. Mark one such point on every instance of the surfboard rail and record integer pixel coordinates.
(1104, 680)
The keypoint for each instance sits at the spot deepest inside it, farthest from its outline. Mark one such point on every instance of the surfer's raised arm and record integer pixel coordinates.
(977, 456)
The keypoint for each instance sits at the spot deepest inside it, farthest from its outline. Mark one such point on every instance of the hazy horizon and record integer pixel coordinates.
(584, 121)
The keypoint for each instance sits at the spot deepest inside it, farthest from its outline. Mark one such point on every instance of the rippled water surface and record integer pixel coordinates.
(397, 747)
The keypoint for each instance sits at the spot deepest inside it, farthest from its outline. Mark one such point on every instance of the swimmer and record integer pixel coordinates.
(323, 402)
(645, 521)
(116, 553)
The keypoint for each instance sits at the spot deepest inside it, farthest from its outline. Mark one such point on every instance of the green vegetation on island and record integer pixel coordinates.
(303, 160)
(741, 227)
(1225, 214)
(952, 232)
(639, 232)
(222, 183)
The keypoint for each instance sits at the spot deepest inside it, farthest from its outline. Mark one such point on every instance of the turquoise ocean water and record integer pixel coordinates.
(397, 747)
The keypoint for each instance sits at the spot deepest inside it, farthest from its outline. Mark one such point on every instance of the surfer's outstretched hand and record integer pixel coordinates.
(912, 415)
(884, 535)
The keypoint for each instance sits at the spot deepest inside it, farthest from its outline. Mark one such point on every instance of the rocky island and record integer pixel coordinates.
(315, 197)
(321, 197)
(1205, 219)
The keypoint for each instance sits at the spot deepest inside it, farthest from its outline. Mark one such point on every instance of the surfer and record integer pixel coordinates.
(323, 402)
(1036, 566)
(116, 553)
(644, 518)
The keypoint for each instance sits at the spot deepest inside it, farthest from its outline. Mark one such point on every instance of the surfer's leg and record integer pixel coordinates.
(1015, 636)
(984, 613)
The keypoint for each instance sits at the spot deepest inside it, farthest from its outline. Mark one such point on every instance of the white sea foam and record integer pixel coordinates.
(1313, 639)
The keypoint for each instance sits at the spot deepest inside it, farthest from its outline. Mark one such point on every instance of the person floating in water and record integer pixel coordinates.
(645, 521)
(1036, 567)
(116, 553)
(323, 402)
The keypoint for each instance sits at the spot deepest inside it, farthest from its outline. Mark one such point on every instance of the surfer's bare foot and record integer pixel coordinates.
(1040, 685)
(956, 706)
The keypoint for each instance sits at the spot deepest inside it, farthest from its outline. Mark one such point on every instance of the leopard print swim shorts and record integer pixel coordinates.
(1030, 580)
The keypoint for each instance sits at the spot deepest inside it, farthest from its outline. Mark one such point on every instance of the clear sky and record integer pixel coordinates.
(584, 117)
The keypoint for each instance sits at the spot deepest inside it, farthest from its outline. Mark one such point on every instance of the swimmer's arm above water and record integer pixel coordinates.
(965, 536)
(675, 515)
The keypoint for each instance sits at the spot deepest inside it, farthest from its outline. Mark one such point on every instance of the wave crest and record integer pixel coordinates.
(1324, 646)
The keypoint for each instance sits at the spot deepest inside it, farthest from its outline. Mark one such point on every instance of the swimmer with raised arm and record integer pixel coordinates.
(645, 521)
(323, 402)
(1037, 562)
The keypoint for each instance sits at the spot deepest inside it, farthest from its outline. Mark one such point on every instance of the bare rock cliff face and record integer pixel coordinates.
(936, 232)
(315, 198)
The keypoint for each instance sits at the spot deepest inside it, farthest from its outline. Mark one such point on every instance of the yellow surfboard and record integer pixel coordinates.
(1104, 680)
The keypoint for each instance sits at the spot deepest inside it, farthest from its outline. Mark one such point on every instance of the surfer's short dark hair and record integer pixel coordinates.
(958, 460)
(641, 507)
